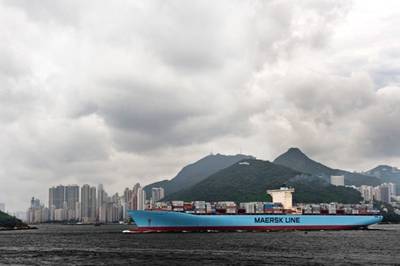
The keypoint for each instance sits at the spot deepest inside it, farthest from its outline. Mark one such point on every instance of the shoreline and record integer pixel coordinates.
(19, 228)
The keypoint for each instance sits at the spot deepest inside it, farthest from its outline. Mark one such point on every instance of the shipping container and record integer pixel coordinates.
(177, 203)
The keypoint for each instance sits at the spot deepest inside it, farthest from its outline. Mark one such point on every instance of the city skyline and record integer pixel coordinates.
(91, 94)
(89, 204)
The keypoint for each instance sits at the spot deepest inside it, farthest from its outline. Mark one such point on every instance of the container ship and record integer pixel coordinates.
(200, 216)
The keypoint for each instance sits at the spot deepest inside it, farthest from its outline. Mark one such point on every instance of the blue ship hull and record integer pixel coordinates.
(164, 221)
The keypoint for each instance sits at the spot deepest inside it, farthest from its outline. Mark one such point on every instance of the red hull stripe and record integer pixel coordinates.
(245, 228)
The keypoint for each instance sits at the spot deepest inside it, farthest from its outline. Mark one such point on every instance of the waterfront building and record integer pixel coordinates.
(377, 193)
(71, 196)
(392, 189)
(127, 195)
(141, 198)
(37, 212)
(337, 180)
(60, 215)
(384, 193)
(78, 212)
(71, 201)
(88, 203)
(57, 197)
(63, 198)
(157, 193)
(35, 203)
(111, 212)
(367, 192)
(101, 196)
(134, 200)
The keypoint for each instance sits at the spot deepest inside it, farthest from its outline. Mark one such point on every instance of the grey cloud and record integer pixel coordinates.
(48, 11)
(379, 131)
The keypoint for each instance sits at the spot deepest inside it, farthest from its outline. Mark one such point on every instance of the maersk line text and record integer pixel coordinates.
(277, 220)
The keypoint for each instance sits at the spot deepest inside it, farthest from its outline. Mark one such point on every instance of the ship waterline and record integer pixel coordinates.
(166, 221)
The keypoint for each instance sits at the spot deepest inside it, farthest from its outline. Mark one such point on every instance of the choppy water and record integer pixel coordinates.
(106, 245)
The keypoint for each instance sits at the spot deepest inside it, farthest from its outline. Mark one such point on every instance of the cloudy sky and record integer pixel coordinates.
(130, 91)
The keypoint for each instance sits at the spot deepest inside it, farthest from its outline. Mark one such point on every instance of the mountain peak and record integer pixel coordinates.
(295, 150)
(294, 153)
(294, 158)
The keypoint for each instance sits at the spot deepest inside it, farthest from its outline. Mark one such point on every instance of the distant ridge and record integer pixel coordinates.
(294, 158)
(386, 173)
(196, 172)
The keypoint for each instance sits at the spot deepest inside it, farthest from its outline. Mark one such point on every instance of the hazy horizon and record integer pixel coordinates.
(124, 92)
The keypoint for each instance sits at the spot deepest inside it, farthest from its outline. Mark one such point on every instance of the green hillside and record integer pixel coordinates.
(249, 179)
(316, 190)
(196, 172)
(294, 158)
(7, 221)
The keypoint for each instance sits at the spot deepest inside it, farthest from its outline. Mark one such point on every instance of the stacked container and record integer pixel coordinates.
(259, 207)
(177, 205)
(188, 207)
(332, 208)
(210, 208)
(228, 207)
(163, 206)
(316, 209)
(268, 207)
(199, 207)
(307, 209)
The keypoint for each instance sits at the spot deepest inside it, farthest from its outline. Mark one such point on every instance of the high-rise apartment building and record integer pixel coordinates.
(141, 201)
(157, 193)
(37, 213)
(392, 189)
(384, 193)
(127, 196)
(367, 192)
(63, 198)
(88, 203)
(57, 197)
(71, 196)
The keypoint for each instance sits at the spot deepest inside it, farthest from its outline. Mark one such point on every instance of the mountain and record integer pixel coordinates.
(386, 173)
(294, 158)
(249, 179)
(196, 172)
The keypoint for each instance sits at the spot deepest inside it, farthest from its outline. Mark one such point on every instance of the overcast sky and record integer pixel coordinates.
(119, 92)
